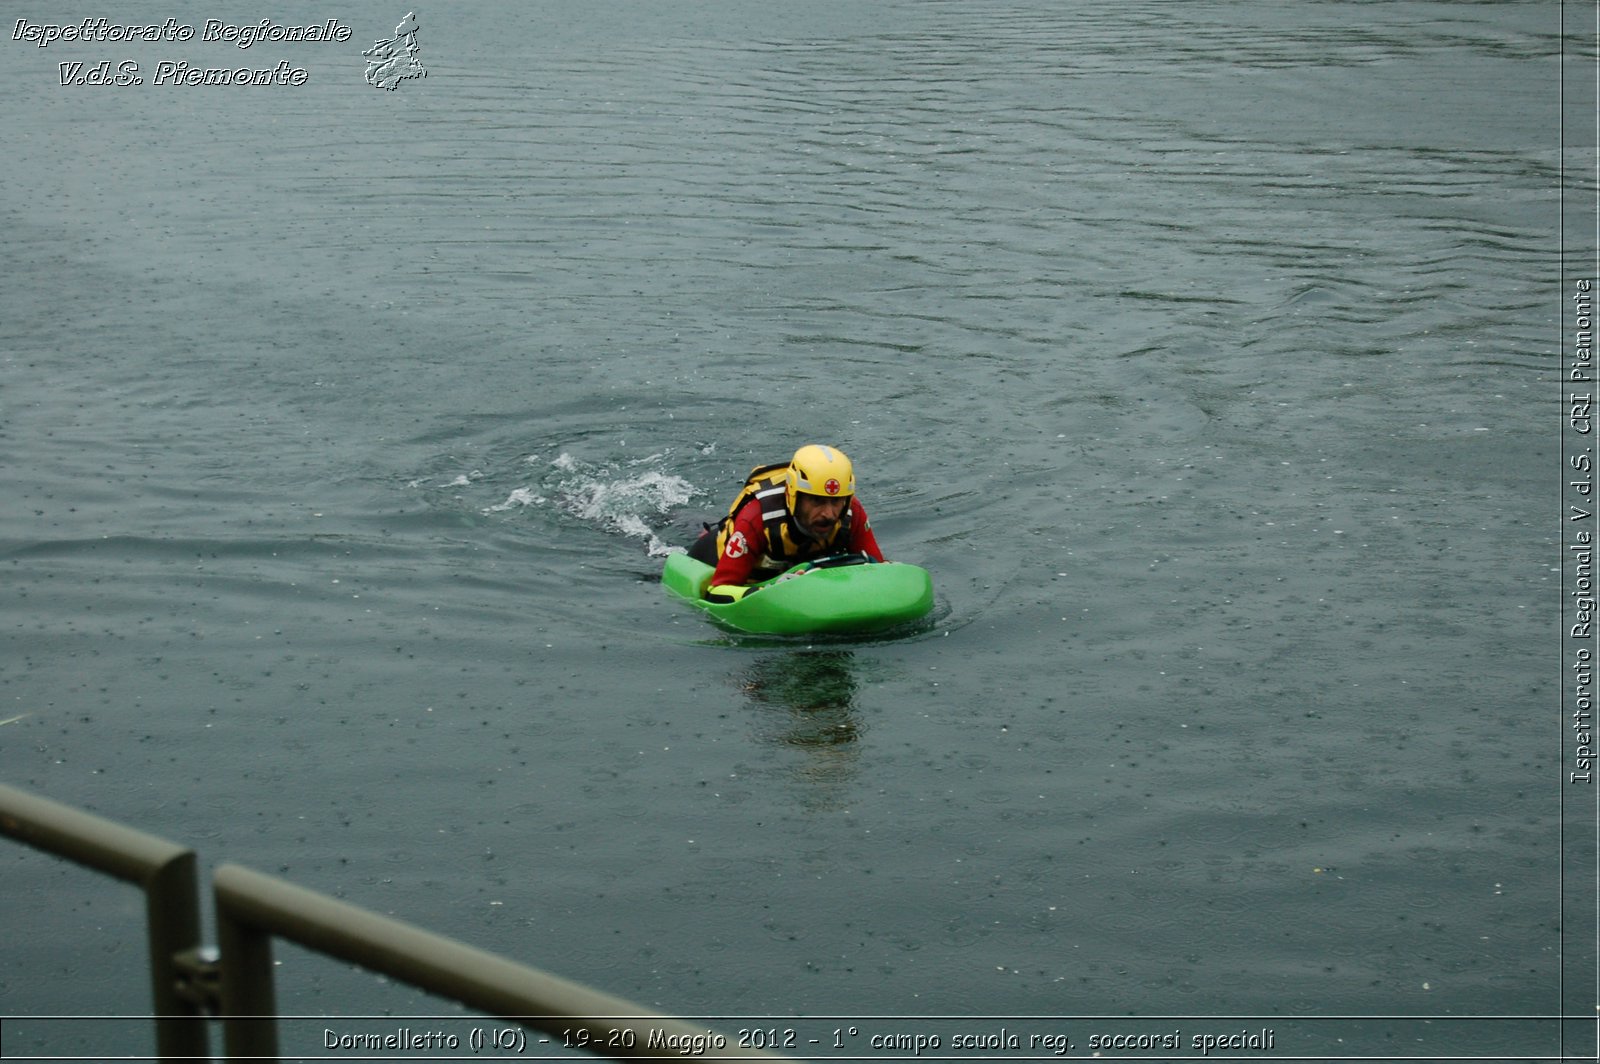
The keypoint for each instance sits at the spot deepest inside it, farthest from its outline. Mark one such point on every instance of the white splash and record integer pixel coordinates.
(621, 504)
(519, 497)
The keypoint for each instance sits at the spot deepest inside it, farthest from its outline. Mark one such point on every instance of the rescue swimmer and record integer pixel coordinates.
(786, 513)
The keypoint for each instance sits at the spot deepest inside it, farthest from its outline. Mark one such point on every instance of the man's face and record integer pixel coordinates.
(817, 514)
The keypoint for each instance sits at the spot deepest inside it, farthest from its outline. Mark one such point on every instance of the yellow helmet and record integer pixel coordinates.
(819, 470)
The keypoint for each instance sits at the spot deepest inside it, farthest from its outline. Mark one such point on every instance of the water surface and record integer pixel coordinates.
(1202, 352)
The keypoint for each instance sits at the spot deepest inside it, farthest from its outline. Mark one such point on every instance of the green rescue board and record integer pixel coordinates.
(840, 594)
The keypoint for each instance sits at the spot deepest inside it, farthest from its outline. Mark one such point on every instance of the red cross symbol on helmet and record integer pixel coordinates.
(831, 487)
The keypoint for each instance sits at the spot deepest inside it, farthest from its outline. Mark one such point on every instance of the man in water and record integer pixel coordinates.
(786, 513)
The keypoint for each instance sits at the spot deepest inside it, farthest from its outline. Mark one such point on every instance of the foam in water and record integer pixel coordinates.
(518, 498)
(621, 504)
(605, 496)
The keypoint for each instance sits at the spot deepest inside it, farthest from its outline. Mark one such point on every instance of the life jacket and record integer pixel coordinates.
(785, 544)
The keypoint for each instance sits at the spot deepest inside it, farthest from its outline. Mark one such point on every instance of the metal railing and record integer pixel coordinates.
(165, 872)
(234, 984)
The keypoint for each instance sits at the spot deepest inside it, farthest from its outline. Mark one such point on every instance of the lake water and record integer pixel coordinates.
(1207, 354)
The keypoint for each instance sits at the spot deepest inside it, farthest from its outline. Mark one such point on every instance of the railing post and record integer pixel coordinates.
(172, 912)
(249, 1000)
(165, 872)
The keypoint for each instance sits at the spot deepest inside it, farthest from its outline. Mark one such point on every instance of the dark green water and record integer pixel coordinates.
(1205, 353)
